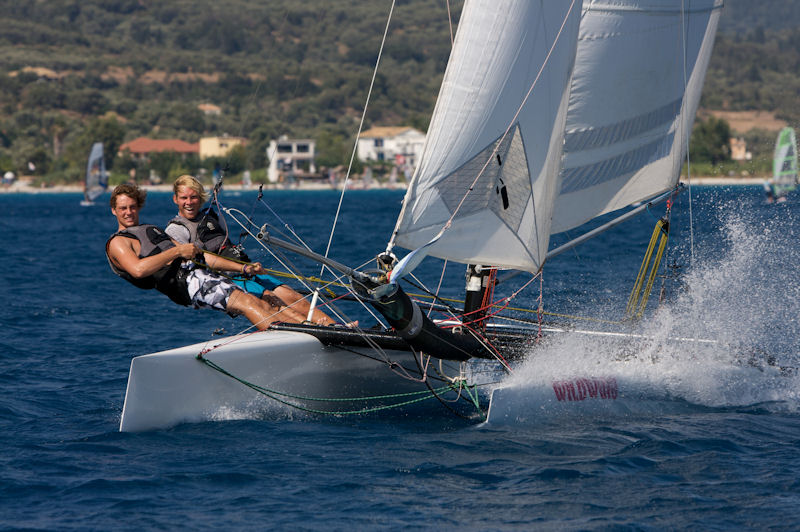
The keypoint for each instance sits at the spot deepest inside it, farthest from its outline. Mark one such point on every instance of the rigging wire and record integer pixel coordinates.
(358, 134)
(687, 132)
(450, 21)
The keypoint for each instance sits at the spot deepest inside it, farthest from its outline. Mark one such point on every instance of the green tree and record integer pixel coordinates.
(109, 131)
(332, 149)
(709, 141)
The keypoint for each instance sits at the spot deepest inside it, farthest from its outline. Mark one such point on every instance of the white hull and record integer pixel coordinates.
(172, 387)
(579, 398)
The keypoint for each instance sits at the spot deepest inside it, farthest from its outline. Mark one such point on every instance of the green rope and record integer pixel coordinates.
(275, 395)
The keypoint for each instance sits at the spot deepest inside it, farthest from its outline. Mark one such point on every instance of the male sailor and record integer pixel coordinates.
(146, 257)
(203, 228)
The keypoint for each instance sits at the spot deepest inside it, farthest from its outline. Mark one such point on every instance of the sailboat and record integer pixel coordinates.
(96, 180)
(784, 166)
(549, 115)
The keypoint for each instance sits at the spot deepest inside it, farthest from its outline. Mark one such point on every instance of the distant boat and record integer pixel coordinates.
(96, 175)
(784, 167)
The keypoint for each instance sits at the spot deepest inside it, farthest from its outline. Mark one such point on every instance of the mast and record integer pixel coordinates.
(478, 278)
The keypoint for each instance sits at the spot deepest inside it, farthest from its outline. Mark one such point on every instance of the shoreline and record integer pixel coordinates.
(24, 188)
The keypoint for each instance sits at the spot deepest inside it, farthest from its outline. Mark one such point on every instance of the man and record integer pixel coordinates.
(146, 257)
(205, 230)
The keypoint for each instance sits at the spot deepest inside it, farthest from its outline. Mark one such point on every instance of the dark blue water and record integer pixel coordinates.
(730, 460)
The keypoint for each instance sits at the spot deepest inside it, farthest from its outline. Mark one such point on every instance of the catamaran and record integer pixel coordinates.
(96, 180)
(784, 167)
(549, 115)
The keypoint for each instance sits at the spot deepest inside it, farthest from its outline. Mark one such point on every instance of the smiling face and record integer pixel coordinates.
(188, 201)
(126, 211)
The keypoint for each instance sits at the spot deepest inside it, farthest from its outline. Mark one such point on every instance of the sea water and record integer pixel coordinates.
(719, 450)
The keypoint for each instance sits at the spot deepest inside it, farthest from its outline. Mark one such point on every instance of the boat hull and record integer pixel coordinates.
(277, 372)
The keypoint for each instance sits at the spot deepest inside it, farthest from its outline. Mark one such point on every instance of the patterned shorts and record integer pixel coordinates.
(209, 290)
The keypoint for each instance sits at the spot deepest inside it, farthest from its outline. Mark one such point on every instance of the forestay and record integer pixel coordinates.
(638, 75)
(488, 124)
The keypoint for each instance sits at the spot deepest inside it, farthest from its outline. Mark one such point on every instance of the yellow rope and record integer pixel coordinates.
(318, 280)
(652, 278)
(637, 301)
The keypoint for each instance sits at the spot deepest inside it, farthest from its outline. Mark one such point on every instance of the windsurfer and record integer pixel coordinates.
(146, 257)
(203, 228)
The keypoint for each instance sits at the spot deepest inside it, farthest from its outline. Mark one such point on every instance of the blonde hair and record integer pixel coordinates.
(187, 180)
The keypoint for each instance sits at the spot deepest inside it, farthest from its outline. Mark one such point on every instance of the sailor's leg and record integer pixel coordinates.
(287, 313)
(301, 305)
(259, 312)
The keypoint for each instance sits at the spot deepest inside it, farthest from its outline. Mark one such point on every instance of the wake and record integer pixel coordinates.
(728, 339)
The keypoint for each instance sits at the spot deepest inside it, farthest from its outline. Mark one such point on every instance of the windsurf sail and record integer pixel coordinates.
(784, 163)
(96, 175)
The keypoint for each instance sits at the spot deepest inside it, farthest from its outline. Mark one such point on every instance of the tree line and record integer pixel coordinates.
(124, 69)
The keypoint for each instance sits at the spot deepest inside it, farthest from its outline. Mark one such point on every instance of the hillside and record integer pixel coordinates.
(71, 72)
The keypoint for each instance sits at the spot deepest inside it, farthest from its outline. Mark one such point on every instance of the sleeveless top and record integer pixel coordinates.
(169, 280)
(208, 233)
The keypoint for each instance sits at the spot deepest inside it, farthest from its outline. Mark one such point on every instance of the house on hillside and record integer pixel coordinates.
(219, 146)
(209, 109)
(739, 150)
(290, 156)
(402, 145)
(141, 148)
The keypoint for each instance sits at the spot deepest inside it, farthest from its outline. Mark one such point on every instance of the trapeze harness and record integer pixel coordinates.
(209, 234)
(169, 280)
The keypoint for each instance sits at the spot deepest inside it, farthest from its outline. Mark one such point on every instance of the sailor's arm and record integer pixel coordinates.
(121, 251)
(222, 264)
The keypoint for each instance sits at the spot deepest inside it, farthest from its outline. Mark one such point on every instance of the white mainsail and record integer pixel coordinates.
(488, 123)
(636, 84)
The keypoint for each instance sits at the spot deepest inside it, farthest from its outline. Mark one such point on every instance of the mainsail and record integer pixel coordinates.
(784, 164)
(96, 175)
(636, 85)
(589, 140)
(488, 124)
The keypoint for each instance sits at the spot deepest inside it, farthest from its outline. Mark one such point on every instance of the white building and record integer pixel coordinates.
(402, 145)
(290, 156)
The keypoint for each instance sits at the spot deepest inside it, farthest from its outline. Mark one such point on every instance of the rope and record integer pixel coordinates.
(637, 301)
(285, 398)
